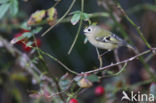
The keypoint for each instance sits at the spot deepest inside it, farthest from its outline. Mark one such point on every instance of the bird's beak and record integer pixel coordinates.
(85, 30)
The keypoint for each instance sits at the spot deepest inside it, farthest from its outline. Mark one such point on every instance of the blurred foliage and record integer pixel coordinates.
(40, 77)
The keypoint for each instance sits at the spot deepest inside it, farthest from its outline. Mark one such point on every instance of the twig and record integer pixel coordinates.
(90, 15)
(132, 87)
(116, 74)
(140, 83)
(134, 25)
(140, 7)
(65, 14)
(59, 62)
(68, 19)
(117, 58)
(79, 28)
(147, 67)
(57, 2)
(63, 90)
(124, 61)
(46, 68)
(35, 40)
(76, 37)
(99, 58)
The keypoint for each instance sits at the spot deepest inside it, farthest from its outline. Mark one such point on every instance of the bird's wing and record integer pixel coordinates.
(110, 39)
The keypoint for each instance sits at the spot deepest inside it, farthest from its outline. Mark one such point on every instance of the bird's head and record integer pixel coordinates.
(91, 30)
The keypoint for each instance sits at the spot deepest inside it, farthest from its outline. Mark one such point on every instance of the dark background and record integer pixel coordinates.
(83, 56)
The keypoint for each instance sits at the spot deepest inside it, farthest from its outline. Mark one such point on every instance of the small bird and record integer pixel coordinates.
(104, 39)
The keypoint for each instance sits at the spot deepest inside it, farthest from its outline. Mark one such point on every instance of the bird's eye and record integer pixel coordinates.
(108, 38)
(89, 29)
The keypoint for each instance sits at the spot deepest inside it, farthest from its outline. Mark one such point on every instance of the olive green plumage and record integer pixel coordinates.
(102, 38)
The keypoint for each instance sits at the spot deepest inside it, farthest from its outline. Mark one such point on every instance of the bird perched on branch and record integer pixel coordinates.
(104, 39)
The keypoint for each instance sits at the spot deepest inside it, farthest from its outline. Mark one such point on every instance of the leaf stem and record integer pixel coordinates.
(134, 25)
(65, 14)
(79, 28)
(59, 62)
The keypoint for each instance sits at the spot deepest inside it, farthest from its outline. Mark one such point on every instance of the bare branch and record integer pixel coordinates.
(124, 61)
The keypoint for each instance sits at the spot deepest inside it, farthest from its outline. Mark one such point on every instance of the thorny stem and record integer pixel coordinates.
(59, 62)
(141, 35)
(100, 69)
(65, 14)
(124, 61)
(46, 69)
(79, 28)
(134, 25)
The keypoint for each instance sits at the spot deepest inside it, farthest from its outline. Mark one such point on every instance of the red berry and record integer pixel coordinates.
(24, 30)
(99, 90)
(38, 41)
(73, 100)
(26, 48)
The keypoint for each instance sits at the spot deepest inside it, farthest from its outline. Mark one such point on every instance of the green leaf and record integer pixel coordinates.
(93, 78)
(37, 30)
(25, 26)
(4, 8)
(75, 18)
(64, 84)
(78, 78)
(27, 34)
(35, 60)
(85, 16)
(20, 38)
(13, 7)
(3, 1)
(29, 43)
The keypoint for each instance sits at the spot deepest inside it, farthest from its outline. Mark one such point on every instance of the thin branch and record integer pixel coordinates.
(76, 37)
(68, 19)
(59, 62)
(117, 58)
(116, 74)
(58, 93)
(124, 61)
(46, 68)
(99, 58)
(132, 87)
(79, 28)
(121, 70)
(65, 14)
(134, 25)
(90, 15)
(35, 40)
(147, 67)
(57, 2)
